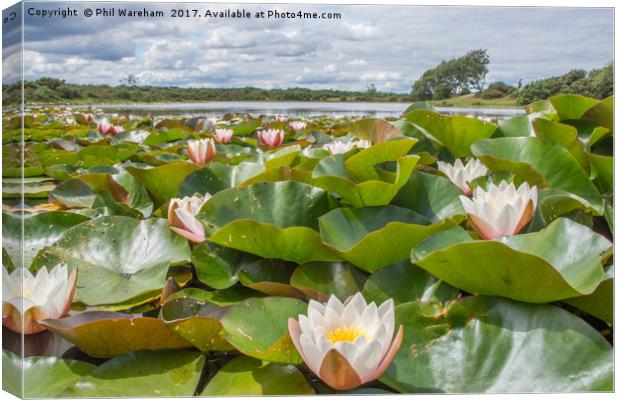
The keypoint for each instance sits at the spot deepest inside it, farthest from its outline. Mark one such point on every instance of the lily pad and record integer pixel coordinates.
(145, 373)
(549, 164)
(40, 230)
(42, 376)
(457, 133)
(163, 182)
(561, 261)
(270, 277)
(108, 334)
(217, 266)
(571, 106)
(404, 282)
(485, 345)
(374, 130)
(319, 280)
(118, 258)
(197, 322)
(601, 302)
(264, 219)
(246, 376)
(373, 237)
(259, 328)
(602, 113)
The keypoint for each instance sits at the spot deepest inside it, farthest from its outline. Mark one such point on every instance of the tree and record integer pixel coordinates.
(465, 73)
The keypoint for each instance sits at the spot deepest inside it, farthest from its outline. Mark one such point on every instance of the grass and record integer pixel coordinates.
(469, 100)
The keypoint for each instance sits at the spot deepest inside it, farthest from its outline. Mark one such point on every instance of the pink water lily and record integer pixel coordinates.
(500, 210)
(347, 345)
(89, 118)
(201, 151)
(105, 127)
(280, 118)
(298, 125)
(271, 138)
(461, 174)
(223, 136)
(28, 299)
(182, 217)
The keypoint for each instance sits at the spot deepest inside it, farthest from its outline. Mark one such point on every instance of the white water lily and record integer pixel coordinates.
(223, 136)
(500, 210)
(362, 144)
(461, 174)
(182, 217)
(25, 302)
(201, 151)
(339, 147)
(347, 345)
(298, 125)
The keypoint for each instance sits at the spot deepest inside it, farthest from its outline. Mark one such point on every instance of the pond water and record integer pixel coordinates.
(380, 110)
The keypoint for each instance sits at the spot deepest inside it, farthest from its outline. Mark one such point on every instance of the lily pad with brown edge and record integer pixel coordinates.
(373, 237)
(258, 327)
(374, 130)
(197, 322)
(404, 282)
(319, 280)
(264, 219)
(118, 258)
(108, 334)
(221, 297)
(144, 373)
(246, 376)
(563, 260)
(492, 341)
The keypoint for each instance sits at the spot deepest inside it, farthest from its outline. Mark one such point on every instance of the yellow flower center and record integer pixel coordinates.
(346, 334)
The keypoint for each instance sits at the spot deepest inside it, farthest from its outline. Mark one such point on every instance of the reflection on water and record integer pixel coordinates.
(379, 110)
(40, 344)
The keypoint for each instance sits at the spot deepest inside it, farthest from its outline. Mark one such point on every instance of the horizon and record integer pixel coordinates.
(388, 46)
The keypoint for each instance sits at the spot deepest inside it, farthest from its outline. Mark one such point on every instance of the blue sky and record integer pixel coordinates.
(389, 46)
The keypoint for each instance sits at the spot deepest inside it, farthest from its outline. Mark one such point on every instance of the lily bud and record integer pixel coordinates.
(201, 151)
(28, 299)
(182, 217)
(223, 136)
(271, 138)
(501, 210)
(347, 345)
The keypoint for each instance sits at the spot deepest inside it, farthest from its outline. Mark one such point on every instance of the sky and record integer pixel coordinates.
(388, 46)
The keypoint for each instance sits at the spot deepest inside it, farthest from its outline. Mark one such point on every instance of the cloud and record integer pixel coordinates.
(389, 46)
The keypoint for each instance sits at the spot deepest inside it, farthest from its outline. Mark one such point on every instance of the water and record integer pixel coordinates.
(304, 109)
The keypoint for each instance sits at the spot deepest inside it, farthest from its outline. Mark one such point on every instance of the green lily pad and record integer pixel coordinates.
(40, 230)
(404, 282)
(549, 164)
(34, 188)
(565, 136)
(42, 376)
(264, 219)
(374, 130)
(571, 106)
(456, 133)
(561, 261)
(217, 266)
(604, 167)
(163, 182)
(520, 125)
(319, 280)
(271, 277)
(373, 237)
(492, 345)
(259, 328)
(432, 196)
(223, 297)
(108, 334)
(145, 373)
(197, 322)
(361, 166)
(601, 302)
(602, 113)
(118, 258)
(246, 376)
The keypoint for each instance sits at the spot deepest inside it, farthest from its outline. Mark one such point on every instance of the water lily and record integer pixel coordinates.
(89, 118)
(501, 210)
(182, 217)
(347, 345)
(105, 127)
(28, 299)
(298, 125)
(271, 138)
(201, 151)
(339, 147)
(362, 144)
(280, 118)
(223, 136)
(461, 174)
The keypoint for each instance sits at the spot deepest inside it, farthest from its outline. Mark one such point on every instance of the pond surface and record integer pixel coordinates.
(379, 110)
